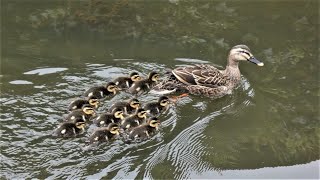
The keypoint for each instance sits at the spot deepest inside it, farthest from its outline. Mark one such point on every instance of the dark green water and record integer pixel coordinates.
(267, 128)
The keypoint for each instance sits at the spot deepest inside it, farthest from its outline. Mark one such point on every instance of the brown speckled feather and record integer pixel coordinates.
(201, 74)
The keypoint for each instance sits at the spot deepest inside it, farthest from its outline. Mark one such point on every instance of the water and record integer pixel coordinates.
(267, 128)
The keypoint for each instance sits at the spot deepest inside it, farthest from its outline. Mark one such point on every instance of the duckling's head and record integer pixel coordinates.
(80, 123)
(154, 122)
(134, 103)
(118, 113)
(112, 87)
(242, 53)
(141, 113)
(114, 128)
(163, 101)
(134, 76)
(87, 109)
(94, 101)
(153, 76)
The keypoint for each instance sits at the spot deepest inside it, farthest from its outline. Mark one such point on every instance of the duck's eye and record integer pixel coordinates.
(245, 52)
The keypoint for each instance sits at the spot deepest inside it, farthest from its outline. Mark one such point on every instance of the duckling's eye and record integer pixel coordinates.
(118, 113)
(136, 77)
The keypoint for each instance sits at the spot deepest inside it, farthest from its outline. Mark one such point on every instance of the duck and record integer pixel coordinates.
(70, 129)
(158, 107)
(134, 120)
(101, 92)
(144, 85)
(128, 107)
(85, 114)
(104, 119)
(145, 130)
(126, 82)
(104, 134)
(78, 103)
(205, 79)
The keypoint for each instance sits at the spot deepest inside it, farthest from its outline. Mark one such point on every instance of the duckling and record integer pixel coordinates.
(78, 103)
(126, 82)
(105, 119)
(70, 129)
(102, 91)
(146, 130)
(145, 84)
(86, 113)
(104, 134)
(156, 108)
(128, 107)
(134, 120)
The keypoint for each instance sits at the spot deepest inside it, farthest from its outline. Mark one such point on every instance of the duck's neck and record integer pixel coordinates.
(232, 70)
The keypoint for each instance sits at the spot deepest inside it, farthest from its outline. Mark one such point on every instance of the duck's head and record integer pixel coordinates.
(112, 87)
(134, 76)
(88, 110)
(94, 101)
(163, 101)
(154, 76)
(80, 124)
(141, 113)
(114, 128)
(154, 122)
(242, 53)
(118, 113)
(134, 103)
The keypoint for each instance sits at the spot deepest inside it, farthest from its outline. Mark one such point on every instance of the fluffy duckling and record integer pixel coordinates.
(105, 119)
(156, 108)
(146, 130)
(70, 129)
(128, 107)
(104, 134)
(126, 82)
(102, 91)
(86, 113)
(134, 120)
(145, 84)
(78, 103)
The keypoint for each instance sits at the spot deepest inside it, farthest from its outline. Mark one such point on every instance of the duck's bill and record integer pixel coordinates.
(256, 61)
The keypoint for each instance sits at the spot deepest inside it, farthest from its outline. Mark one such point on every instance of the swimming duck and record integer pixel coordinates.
(69, 129)
(207, 80)
(146, 130)
(144, 84)
(86, 113)
(156, 108)
(135, 119)
(105, 134)
(126, 82)
(102, 91)
(105, 119)
(128, 107)
(78, 103)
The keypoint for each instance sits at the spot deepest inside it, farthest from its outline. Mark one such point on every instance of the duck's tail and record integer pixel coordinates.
(168, 86)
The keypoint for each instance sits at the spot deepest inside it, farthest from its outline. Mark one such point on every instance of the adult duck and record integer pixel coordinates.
(207, 80)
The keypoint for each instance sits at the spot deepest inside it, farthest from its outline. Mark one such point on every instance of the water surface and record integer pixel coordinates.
(267, 128)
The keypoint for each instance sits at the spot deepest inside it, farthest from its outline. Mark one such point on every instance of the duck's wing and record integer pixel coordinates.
(200, 74)
(216, 92)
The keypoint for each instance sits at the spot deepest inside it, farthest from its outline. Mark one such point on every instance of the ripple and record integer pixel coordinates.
(44, 71)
